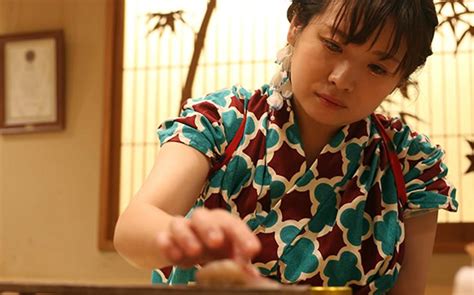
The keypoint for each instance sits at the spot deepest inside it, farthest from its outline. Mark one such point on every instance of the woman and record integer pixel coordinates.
(300, 177)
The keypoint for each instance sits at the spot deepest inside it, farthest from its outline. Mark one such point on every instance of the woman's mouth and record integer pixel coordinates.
(330, 101)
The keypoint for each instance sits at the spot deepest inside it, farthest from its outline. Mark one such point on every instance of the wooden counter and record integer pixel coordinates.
(33, 288)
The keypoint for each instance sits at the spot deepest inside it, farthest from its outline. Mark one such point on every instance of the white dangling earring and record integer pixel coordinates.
(280, 84)
(284, 57)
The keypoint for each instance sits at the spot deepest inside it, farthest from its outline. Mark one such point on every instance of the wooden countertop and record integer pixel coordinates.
(30, 288)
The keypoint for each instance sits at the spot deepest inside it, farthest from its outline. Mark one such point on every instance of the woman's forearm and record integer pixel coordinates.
(136, 232)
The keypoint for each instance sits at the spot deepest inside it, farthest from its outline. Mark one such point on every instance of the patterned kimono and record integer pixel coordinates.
(335, 222)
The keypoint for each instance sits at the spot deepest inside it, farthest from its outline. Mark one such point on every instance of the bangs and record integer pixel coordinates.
(414, 23)
(362, 19)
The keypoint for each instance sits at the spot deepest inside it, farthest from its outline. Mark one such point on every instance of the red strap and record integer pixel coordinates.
(394, 162)
(229, 151)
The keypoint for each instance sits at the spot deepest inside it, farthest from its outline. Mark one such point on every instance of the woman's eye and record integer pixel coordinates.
(377, 70)
(331, 45)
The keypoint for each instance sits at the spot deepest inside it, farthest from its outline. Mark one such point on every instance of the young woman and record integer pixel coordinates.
(300, 177)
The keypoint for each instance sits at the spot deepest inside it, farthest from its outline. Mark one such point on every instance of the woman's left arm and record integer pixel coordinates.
(420, 232)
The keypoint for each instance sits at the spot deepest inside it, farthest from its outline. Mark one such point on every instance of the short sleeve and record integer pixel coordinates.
(206, 124)
(425, 173)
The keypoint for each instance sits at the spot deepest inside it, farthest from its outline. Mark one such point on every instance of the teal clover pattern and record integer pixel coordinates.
(358, 229)
(250, 125)
(387, 232)
(343, 270)
(389, 189)
(268, 221)
(337, 139)
(277, 189)
(231, 123)
(305, 179)
(239, 178)
(299, 259)
(327, 209)
(292, 134)
(273, 138)
(289, 233)
(436, 199)
(352, 156)
(218, 97)
(262, 176)
(386, 282)
(157, 277)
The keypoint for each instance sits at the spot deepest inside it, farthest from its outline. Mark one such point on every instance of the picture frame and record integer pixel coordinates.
(32, 82)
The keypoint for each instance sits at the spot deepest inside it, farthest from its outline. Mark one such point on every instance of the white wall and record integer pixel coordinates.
(49, 182)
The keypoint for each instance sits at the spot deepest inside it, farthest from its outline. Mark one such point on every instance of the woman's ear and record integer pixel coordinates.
(293, 31)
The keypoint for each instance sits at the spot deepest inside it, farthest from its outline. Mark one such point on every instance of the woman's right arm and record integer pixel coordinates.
(152, 233)
(170, 190)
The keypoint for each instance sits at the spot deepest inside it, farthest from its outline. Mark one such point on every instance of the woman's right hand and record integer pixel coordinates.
(207, 236)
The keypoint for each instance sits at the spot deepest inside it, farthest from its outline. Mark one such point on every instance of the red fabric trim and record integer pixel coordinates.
(229, 151)
(394, 162)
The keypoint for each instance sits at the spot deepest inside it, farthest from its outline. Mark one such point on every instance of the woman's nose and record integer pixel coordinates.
(341, 77)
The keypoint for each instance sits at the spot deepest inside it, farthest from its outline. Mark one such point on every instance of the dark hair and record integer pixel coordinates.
(415, 22)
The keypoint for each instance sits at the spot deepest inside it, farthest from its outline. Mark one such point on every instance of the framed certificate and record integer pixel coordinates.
(32, 82)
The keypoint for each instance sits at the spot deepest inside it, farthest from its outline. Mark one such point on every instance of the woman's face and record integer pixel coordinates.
(336, 84)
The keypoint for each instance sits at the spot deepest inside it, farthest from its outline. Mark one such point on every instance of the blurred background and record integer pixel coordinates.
(127, 62)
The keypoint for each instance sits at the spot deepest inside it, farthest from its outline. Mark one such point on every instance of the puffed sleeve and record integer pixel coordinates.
(425, 173)
(206, 124)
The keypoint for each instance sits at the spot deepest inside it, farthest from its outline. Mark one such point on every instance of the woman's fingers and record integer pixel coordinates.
(166, 246)
(245, 244)
(214, 227)
(184, 237)
(207, 228)
(176, 253)
(207, 236)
